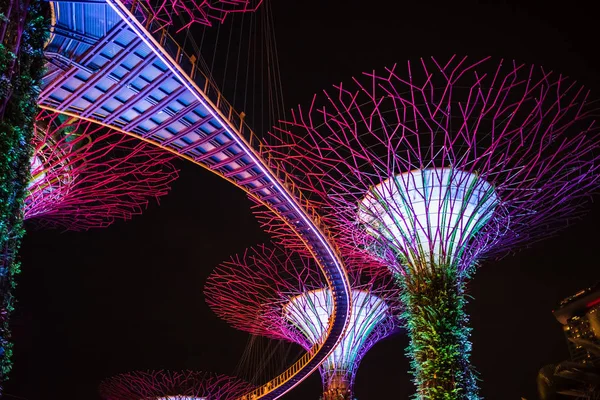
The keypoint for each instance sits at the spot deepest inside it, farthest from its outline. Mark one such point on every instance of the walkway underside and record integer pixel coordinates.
(105, 66)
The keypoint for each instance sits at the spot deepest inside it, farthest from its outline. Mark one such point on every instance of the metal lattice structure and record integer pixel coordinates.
(87, 176)
(185, 13)
(434, 168)
(111, 64)
(163, 385)
(282, 295)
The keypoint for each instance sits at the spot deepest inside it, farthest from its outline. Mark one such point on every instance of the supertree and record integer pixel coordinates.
(168, 385)
(185, 13)
(282, 295)
(433, 169)
(86, 176)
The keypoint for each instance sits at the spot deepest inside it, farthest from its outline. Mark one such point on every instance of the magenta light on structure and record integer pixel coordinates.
(283, 295)
(167, 385)
(432, 168)
(185, 13)
(85, 176)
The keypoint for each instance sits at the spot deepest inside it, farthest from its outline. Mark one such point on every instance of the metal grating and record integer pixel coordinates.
(128, 79)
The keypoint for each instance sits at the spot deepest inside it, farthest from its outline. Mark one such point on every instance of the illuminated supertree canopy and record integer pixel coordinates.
(170, 385)
(85, 176)
(185, 13)
(282, 295)
(432, 169)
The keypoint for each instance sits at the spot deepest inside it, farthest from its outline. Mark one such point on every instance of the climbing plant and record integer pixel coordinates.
(23, 32)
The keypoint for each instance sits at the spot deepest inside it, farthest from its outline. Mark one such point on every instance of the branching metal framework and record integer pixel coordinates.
(87, 176)
(163, 385)
(112, 66)
(185, 13)
(436, 167)
(282, 295)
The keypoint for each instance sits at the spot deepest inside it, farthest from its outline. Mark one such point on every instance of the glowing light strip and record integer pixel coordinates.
(131, 21)
(227, 128)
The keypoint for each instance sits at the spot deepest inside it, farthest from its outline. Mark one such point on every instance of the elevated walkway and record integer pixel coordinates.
(109, 65)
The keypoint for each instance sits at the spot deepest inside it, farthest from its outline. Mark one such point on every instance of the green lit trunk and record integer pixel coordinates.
(439, 337)
(22, 38)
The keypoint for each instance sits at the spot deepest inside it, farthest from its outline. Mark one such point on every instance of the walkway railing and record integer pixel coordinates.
(189, 65)
(322, 246)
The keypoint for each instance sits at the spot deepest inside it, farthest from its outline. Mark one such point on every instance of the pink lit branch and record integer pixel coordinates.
(185, 13)
(184, 385)
(282, 295)
(85, 176)
(530, 133)
(280, 232)
(432, 167)
(249, 290)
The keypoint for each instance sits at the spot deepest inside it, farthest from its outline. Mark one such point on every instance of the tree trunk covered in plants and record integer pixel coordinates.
(439, 337)
(23, 31)
(337, 387)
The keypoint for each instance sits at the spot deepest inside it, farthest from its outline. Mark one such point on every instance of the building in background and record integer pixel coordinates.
(580, 316)
(434, 166)
(578, 377)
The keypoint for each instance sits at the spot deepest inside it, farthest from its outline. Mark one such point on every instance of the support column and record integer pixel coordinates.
(439, 336)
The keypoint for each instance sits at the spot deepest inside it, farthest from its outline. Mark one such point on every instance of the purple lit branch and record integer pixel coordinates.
(282, 295)
(185, 13)
(520, 143)
(432, 168)
(184, 385)
(85, 176)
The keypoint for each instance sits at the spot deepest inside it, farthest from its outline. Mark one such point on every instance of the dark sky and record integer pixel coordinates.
(130, 297)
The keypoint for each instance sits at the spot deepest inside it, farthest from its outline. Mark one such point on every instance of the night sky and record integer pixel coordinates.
(130, 297)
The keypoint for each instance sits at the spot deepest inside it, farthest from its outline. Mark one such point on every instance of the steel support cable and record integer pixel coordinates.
(306, 224)
(239, 56)
(227, 54)
(266, 70)
(262, 83)
(274, 84)
(214, 57)
(251, 42)
(278, 81)
(265, 358)
(197, 50)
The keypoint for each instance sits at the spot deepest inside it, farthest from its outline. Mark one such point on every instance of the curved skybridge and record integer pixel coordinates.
(108, 64)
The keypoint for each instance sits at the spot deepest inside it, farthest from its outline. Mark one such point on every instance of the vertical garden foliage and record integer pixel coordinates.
(438, 329)
(23, 31)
